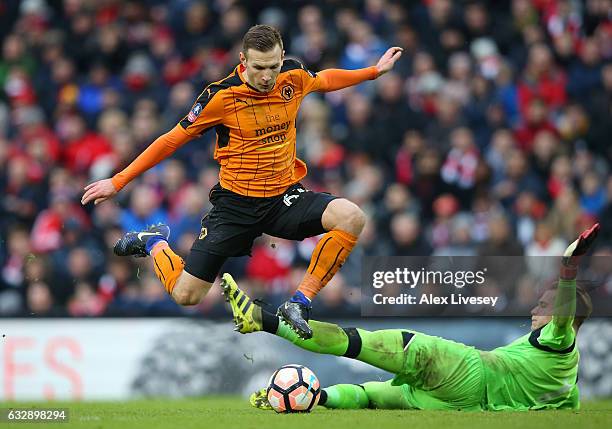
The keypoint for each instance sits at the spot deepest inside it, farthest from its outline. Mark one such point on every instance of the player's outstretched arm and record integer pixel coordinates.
(565, 301)
(160, 149)
(335, 79)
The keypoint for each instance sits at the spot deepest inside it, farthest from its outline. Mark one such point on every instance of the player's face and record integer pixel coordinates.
(262, 68)
(541, 314)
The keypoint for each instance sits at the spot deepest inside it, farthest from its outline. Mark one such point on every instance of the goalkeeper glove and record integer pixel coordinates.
(573, 253)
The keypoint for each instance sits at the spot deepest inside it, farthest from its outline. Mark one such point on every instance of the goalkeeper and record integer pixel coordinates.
(536, 371)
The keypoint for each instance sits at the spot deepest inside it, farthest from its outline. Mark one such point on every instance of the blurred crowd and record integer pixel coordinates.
(490, 137)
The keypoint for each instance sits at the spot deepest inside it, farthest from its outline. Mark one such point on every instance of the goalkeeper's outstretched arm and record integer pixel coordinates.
(565, 305)
(565, 301)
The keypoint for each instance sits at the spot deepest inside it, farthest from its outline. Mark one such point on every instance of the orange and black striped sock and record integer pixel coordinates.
(327, 258)
(168, 265)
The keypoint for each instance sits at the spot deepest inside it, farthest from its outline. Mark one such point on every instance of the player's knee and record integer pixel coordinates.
(356, 219)
(344, 215)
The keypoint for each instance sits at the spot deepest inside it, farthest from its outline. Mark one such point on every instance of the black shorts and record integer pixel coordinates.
(235, 221)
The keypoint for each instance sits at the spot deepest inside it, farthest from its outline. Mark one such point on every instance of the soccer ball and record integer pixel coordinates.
(293, 389)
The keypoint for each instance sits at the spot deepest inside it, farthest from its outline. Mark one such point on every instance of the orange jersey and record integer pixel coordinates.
(256, 135)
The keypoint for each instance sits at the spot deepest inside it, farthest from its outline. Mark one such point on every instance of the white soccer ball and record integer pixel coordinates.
(293, 389)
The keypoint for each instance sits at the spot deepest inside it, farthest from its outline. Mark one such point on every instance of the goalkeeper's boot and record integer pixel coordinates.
(259, 400)
(573, 253)
(247, 314)
(135, 243)
(296, 315)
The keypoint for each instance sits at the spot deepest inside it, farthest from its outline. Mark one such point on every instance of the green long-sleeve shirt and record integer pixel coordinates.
(538, 370)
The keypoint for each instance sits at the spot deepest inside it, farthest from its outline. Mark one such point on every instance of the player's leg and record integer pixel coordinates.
(343, 221)
(373, 394)
(200, 271)
(226, 231)
(438, 373)
(383, 349)
(184, 287)
(300, 214)
(439, 370)
(344, 397)
(218, 240)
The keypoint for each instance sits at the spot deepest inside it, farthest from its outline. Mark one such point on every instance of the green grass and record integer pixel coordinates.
(232, 413)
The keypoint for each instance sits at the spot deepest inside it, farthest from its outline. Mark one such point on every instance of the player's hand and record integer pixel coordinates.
(573, 253)
(580, 246)
(387, 61)
(98, 191)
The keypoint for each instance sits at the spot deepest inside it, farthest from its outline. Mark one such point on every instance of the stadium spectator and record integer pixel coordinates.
(40, 301)
(541, 264)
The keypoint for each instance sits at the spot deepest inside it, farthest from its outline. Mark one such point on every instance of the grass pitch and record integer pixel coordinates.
(235, 413)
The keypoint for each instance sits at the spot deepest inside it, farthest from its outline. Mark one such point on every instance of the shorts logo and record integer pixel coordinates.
(195, 112)
(203, 233)
(288, 199)
(287, 92)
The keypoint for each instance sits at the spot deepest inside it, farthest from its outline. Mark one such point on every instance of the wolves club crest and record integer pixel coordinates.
(287, 92)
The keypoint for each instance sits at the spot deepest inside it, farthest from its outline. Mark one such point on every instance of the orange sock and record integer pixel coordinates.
(327, 258)
(168, 265)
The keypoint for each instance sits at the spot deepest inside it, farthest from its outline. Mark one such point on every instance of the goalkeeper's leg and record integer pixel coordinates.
(444, 368)
(382, 349)
(449, 371)
(373, 394)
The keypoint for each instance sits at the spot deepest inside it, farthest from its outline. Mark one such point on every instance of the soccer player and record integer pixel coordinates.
(253, 111)
(537, 371)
